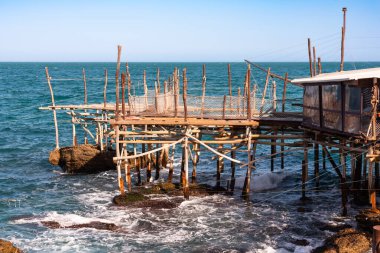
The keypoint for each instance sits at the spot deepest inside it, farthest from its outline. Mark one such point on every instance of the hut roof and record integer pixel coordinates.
(340, 76)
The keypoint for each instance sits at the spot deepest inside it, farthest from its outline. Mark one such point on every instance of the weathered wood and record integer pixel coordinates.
(85, 101)
(123, 83)
(266, 70)
(319, 66)
(203, 89)
(264, 92)
(233, 168)
(157, 163)
(181, 121)
(176, 91)
(309, 50)
(105, 88)
(248, 84)
(251, 157)
(171, 165)
(186, 191)
(149, 167)
(316, 162)
(284, 92)
(273, 152)
(117, 82)
(343, 39)
(145, 90)
(224, 107)
(129, 85)
(305, 165)
(158, 81)
(314, 62)
(48, 78)
(184, 92)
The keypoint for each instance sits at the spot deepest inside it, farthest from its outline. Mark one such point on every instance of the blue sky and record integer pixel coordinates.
(186, 30)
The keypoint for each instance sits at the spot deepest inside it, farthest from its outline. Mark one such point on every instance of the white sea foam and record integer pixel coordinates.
(263, 182)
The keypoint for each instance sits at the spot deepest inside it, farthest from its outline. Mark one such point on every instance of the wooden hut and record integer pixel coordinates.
(342, 102)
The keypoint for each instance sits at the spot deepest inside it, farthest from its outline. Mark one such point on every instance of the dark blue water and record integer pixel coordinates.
(31, 190)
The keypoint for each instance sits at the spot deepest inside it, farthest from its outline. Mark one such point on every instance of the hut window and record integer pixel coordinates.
(311, 105)
(352, 109)
(332, 106)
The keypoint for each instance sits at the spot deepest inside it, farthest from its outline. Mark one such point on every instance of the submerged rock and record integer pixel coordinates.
(128, 198)
(368, 218)
(94, 224)
(345, 241)
(8, 247)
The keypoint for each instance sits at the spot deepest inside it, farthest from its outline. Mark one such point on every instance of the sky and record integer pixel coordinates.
(186, 30)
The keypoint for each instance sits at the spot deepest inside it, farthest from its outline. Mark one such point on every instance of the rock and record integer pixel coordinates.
(345, 241)
(51, 224)
(8, 247)
(368, 218)
(155, 204)
(54, 157)
(85, 159)
(94, 224)
(128, 198)
(300, 242)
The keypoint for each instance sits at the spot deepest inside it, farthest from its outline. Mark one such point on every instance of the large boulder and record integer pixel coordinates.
(368, 218)
(345, 241)
(8, 247)
(83, 159)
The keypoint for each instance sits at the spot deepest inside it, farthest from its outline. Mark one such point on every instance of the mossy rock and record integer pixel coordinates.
(345, 241)
(128, 198)
(166, 187)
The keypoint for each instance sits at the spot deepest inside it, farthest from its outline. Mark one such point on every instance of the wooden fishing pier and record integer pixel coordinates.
(338, 114)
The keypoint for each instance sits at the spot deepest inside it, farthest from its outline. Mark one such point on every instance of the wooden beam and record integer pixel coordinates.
(309, 50)
(48, 78)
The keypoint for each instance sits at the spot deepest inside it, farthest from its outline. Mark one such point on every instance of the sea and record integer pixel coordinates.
(32, 191)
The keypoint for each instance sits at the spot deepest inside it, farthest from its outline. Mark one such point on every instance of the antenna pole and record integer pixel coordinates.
(343, 38)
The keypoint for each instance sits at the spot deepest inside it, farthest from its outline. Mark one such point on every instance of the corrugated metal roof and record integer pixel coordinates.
(340, 76)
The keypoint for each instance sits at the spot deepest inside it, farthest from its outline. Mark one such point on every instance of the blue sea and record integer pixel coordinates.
(32, 190)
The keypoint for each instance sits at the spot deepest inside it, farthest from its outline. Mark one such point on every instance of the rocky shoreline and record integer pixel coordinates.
(8, 247)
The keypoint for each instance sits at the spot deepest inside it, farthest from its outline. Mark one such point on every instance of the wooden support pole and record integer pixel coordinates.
(75, 141)
(284, 92)
(343, 184)
(158, 81)
(129, 85)
(105, 88)
(377, 175)
(156, 98)
(238, 105)
(123, 82)
(171, 166)
(48, 78)
(316, 161)
(343, 39)
(117, 82)
(127, 169)
(249, 112)
(305, 166)
(196, 149)
(273, 151)
(282, 149)
(229, 84)
(247, 181)
(186, 192)
(157, 164)
(233, 168)
(314, 62)
(85, 102)
(264, 92)
(145, 91)
(372, 192)
(203, 89)
(224, 107)
(319, 66)
(184, 94)
(149, 167)
(165, 95)
(309, 49)
(176, 91)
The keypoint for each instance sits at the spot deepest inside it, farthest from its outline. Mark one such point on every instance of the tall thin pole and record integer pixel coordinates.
(203, 88)
(105, 88)
(53, 104)
(343, 38)
(117, 82)
(249, 113)
(314, 62)
(309, 49)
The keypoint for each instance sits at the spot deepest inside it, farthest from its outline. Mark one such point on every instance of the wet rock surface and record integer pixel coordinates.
(83, 159)
(94, 224)
(368, 218)
(345, 241)
(8, 247)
